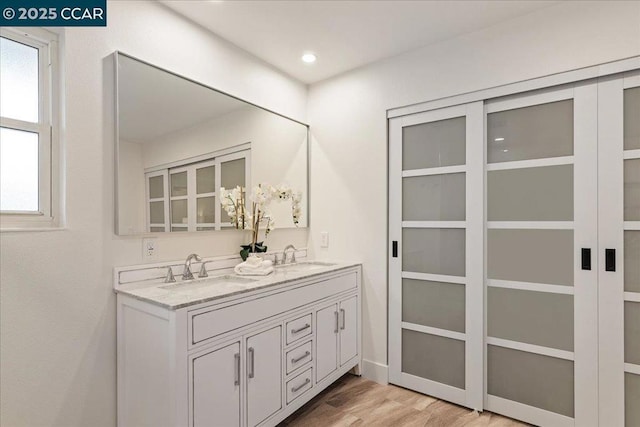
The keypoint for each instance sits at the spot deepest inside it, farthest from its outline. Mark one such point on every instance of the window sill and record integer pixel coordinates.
(39, 223)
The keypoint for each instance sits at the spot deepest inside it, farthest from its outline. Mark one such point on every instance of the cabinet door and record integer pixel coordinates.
(348, 329)
(264, 375)
(326, 341)
(216, 387)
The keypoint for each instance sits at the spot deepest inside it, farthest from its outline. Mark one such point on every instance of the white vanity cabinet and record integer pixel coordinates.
(247, 359)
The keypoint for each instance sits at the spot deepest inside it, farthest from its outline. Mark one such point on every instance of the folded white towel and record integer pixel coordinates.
(251, 267)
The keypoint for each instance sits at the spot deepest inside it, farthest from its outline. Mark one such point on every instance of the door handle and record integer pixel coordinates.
(610, 259)
(236, 374)
(251, 362)
(586, 258)
(394, 249)
(335, 331)
(343, 318)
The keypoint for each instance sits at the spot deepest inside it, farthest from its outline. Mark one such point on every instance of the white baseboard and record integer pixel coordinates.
(375, 371)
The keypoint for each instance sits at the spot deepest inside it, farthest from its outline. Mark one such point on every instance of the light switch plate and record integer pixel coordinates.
(149, 248)
(324, 239)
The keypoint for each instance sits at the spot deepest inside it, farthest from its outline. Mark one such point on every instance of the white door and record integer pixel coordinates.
(541, 256)
(264, 375)
(216, 387)
(435, 263)
(619, 249)
(326, 341)
(348, 329)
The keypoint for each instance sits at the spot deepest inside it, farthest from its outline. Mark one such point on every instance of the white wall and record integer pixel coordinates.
(57, 307)
(347, 115)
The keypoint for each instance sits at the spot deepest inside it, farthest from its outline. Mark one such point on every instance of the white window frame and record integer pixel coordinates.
(49, 211)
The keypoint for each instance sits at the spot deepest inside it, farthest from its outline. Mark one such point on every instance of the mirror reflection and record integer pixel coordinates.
(179, 142)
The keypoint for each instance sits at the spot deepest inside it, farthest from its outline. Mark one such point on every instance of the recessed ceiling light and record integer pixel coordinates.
(499, 139)
(505, 151)
(309, 58)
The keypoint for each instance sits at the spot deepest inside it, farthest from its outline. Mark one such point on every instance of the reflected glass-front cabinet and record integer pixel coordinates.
(514, 263)
(185, 198)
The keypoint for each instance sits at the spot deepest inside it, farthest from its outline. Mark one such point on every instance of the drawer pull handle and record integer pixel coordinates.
(343, 318)
(236, 374)
(296, 389)
(297, 359)
(306, 326)
(335, 331)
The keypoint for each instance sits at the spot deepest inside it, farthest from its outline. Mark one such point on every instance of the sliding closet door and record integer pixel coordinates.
(435, 263)
(619, 249)
(541, 256)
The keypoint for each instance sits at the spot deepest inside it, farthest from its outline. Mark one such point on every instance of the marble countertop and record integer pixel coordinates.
(181, 294)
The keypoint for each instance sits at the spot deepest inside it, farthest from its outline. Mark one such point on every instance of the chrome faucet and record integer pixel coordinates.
(293, 254)
(186, 273)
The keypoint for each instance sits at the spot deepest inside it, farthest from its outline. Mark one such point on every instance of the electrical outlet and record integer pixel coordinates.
(149, 247)
(324, 239)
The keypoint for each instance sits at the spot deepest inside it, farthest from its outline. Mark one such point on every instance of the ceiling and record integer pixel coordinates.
(343, 34)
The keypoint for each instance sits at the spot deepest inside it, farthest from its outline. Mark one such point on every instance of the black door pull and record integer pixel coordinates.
(610, 259)
(586, 258)
(394, 249)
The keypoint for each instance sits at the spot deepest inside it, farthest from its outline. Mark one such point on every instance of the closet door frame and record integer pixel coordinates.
(612, 296)
(472, 395)
(584, 227)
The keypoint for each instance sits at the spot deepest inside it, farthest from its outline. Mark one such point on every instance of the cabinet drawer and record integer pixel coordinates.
(298, 385)
(299, 356)
(211, 322)
(299, 328)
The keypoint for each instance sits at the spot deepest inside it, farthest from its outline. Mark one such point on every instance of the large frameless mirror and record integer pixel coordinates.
(179, 142)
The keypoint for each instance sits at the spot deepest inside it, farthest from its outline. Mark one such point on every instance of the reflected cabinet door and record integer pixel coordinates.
(436, 184)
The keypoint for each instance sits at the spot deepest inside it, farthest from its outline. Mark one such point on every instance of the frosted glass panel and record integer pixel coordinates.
(206, 180)
(428, 145)
(631, 263)
(233, 173)
(156, 213)
(538, 318)
(18, 170)
(436, 251)
(156, 187)
(632, 189)
(538, 256)
(535, 132)
(179, 229)
(631, 121)
(631, 398)
(531, 194)
(205, 210)
(179, 212)
(157, 229)
(435, 358)
(632, 332)
(435, 304)
(179, 184)
(435, 197)
(18, 81)
(540, 381)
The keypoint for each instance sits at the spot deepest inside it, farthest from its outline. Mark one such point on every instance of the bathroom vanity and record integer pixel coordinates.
(233, 351)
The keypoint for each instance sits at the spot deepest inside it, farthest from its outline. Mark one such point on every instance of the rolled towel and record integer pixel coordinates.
(253, 268)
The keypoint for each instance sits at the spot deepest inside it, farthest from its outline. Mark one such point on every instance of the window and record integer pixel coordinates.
(185, 197)
(28, 134)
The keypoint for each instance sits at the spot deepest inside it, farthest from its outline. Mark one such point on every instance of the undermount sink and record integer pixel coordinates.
(227, 279)
(304, 265)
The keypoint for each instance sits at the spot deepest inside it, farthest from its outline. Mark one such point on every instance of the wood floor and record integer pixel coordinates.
(355, 401)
